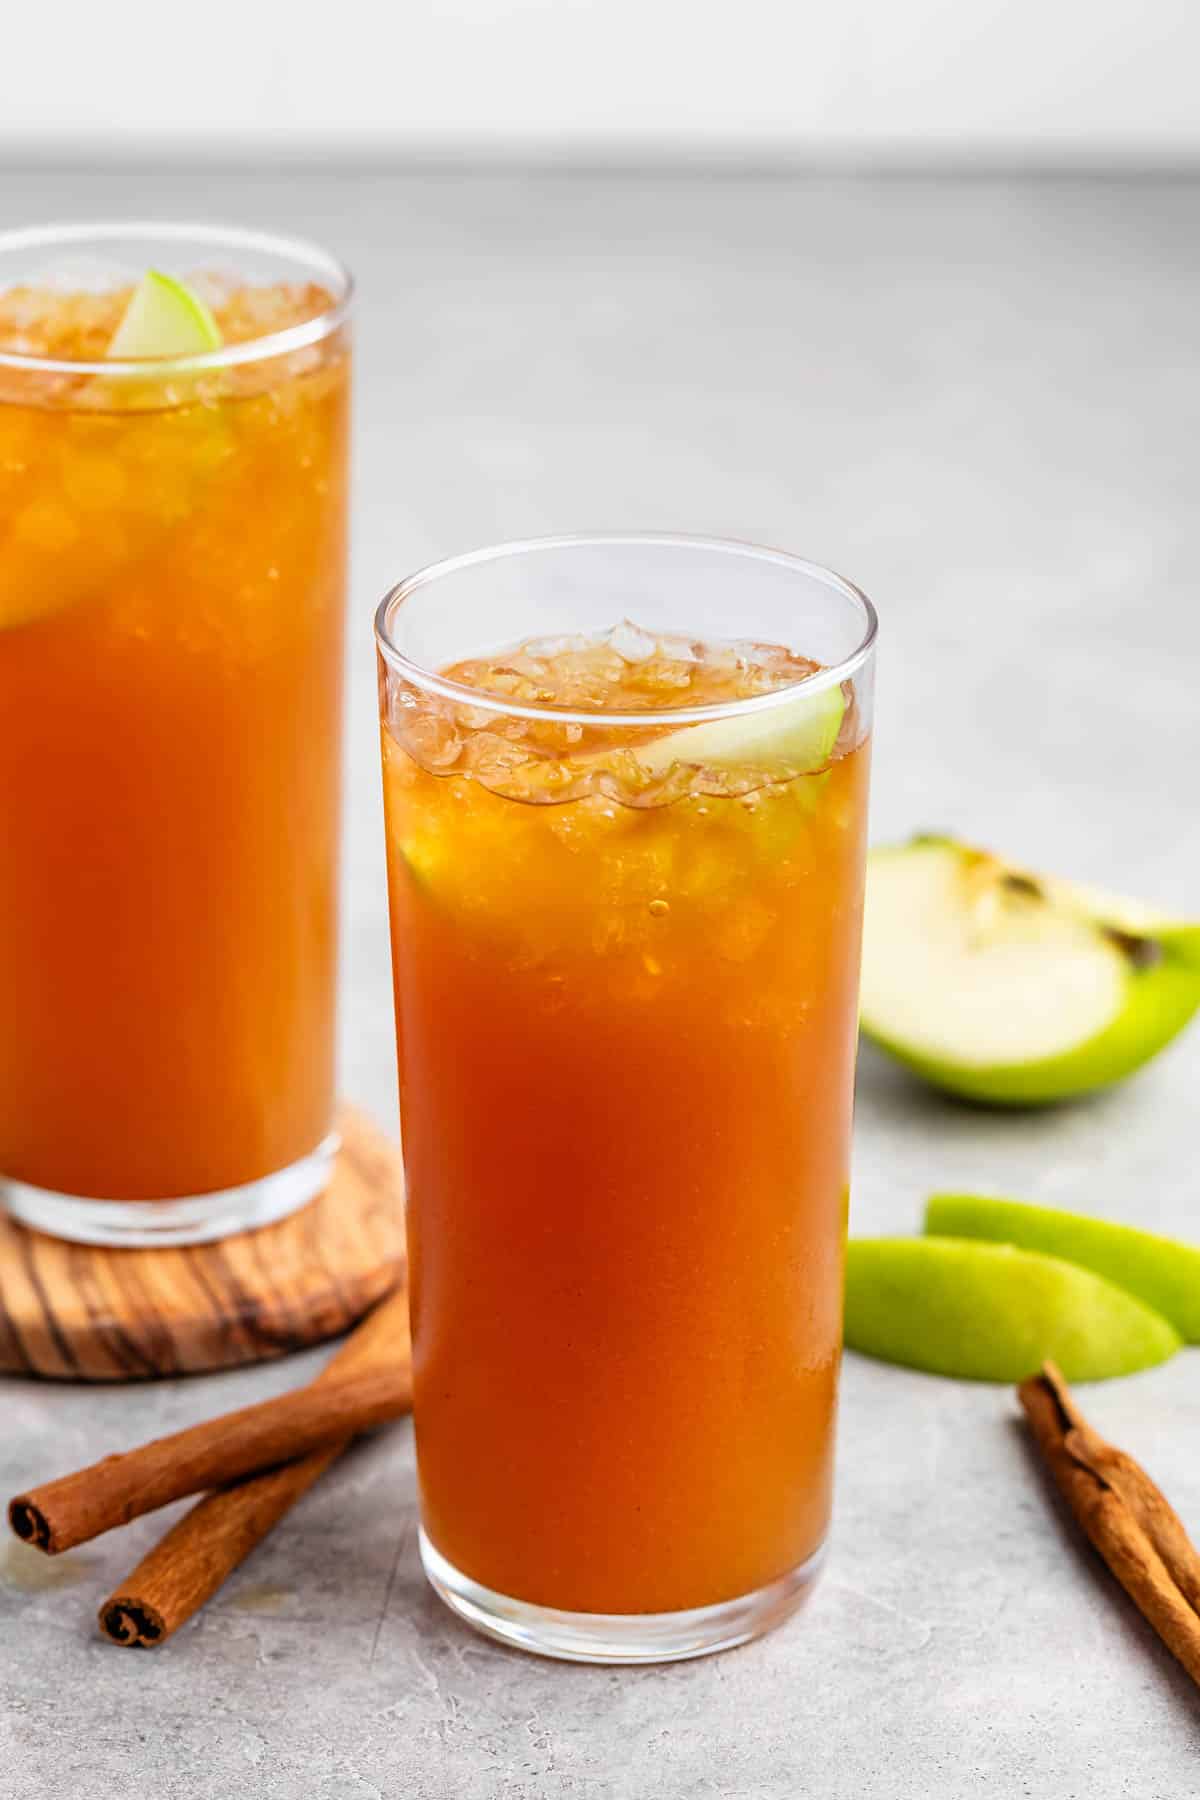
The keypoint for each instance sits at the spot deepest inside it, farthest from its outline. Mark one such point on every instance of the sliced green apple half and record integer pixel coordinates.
(795, 736)
(1159, 1270)
(1013, 988)
(991, 1312)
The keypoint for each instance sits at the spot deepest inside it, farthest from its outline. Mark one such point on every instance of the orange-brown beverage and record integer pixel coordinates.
(626, 877)
(172, 557)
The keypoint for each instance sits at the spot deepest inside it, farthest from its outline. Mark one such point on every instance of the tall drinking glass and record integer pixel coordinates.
(626, 786)
(172, 569)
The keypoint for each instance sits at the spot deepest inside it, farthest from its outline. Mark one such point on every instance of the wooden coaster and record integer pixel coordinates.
(86, 1313)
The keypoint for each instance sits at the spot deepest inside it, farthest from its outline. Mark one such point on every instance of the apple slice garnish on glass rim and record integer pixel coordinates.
(794, 736)
(164, 319)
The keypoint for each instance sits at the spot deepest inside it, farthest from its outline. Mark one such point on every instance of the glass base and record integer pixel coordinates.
(619, 1637)
(196, 1219)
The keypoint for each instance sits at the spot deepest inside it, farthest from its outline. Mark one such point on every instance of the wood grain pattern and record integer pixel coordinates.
(80, 1312)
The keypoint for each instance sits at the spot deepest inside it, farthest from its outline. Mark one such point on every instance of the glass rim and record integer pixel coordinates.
(236, 237)
(831, 675)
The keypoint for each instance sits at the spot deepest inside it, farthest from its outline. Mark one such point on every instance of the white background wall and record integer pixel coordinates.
(1055, 80)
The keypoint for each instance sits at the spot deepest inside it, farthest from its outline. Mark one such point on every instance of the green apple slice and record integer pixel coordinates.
(991, 1312)
(1159, 1270)
(1008, 987)
(164, 318)
(794, 737)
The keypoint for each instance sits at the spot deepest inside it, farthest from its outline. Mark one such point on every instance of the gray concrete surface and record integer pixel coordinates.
(982, 401)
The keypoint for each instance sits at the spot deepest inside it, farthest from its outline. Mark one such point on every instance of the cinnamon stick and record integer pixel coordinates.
(1123, 1514)
(189, 1564)
(60, 1514)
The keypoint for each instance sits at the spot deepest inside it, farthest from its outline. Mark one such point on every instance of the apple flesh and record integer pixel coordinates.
(164, 318)
(786, 737)
(991, 1312)
(1159, 1270)
(1013, 988)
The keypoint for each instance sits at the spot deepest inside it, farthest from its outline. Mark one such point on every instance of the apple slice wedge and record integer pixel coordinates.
(991, 1312)
(164, 318)
(794, 736)
(1012, 988)
(1159, 1270)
